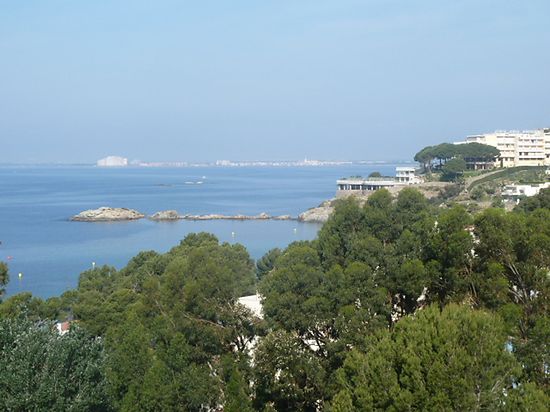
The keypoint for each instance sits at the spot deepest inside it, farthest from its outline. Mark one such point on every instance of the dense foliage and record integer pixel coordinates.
(395, 306)
(4, 278)
(444, 152)
(540, 201)
(41, 370)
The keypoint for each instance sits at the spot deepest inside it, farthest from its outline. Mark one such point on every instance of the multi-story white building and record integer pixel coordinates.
(407, 175)
(112, 161)
(518, 148)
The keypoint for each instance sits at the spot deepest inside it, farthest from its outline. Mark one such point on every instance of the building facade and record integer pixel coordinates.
(407, 175)
(404, 176)
(518, 148)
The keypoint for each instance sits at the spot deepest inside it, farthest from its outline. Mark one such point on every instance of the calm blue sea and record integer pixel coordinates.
(40, 242)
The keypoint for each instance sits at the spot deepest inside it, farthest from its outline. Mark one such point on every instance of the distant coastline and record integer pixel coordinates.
(217, 164)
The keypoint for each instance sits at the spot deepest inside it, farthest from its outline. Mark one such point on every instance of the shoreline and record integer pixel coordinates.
(110, 214)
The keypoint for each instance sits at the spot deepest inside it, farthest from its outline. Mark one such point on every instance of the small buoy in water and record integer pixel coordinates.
(295, 230)
(20, 275)
(232, 234)
(93, 265)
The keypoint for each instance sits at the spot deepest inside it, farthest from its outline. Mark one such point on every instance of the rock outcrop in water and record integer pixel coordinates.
(283, 217)
(166, 215)
(108, 214)
(319, 214)
(261, 216)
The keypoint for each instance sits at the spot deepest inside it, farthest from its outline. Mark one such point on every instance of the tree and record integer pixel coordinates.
(24, 306)
(426, 157)
(513, 255)
(539, 201)
(292, 293)
(4, 278)
(477, 152)
(287, 374)
(453, 359)
(445, 151)
(453, 169)
(266, 263)
(237, 397)
(40, 370)
(448, 257)
(375, 174)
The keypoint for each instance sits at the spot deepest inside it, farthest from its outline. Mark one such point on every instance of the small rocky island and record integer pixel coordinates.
(165, 215)
(113, 214)
(107, 214)
(173, 215)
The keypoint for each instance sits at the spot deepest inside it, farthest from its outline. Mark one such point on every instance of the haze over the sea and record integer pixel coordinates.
(200, 81)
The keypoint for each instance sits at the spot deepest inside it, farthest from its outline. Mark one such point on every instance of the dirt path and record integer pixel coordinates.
(470, 180)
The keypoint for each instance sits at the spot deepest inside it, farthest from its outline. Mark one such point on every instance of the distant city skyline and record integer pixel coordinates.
(244, 80)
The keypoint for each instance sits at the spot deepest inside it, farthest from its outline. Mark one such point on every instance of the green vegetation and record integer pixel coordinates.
(4, 278)
(397, 305)
(518, 174)
(444, 152)
(540, 201)
(465, 370)
(40, 370)
(453, 169)
(267, 263)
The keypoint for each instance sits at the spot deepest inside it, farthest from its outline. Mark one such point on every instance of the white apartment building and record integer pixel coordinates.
(112, 161)
(518, 148)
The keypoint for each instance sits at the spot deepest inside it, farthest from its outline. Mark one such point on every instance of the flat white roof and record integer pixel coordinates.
(383, 182)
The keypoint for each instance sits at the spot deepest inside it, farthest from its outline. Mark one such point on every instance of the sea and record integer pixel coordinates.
(46, 252)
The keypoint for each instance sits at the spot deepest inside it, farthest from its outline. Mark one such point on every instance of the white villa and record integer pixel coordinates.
(407, 175)
(517, 148)
(516, 192)
(404, 176)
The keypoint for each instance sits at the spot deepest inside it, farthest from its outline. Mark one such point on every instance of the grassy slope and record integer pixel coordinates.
(503, 174)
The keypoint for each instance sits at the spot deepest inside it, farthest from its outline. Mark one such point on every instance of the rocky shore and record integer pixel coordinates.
(165, 215)
(261, 216)
(319, 214)
(112, 214)
(107, 214)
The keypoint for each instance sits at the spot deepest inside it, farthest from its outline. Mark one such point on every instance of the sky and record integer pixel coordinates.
(263, 79)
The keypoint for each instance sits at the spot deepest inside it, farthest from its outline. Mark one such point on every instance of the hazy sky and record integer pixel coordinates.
(259, 79)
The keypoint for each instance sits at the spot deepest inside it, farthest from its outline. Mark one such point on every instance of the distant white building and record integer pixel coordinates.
(517, 148)
(404, 176)
(518, 191)
(112, 161)
(407, 175)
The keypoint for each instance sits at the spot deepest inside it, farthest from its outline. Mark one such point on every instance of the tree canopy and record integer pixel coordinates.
(4, 278)
(455, 359)
(444, 152)
(40, 370)
(397, 305)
